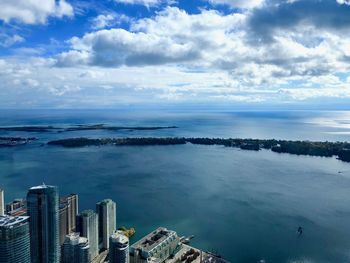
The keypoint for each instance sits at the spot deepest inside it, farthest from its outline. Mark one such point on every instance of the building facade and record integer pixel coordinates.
(63, 222)
(75, 249)
(17, 208)
(158, 246)
(87, 226)
(2, 203)
(106, 210)
(68, 210)
(42, 205)
(14, 239)
(118, 248)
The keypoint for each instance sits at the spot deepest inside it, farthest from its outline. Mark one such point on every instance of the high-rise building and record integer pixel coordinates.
(68, 209)
(63, 222)
(118, 248)
(2, 203)
(106, 210)
(158, 245)
(14, 239)
(75, 249)
(71, 202)
(87, 226)
(42, 204)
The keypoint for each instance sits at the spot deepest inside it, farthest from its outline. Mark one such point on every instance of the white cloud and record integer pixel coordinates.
(109, 20)
(244, 4)
(209, 56)
(7, 41)
(342, 2)
(33, 11)
(147, 3)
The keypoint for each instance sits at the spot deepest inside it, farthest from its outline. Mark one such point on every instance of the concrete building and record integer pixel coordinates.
(118, 248)
(156, 246)
(2, 203)
(106, 210)
(87, 226)
(68, 210)
(63, 222)
(42, 204)
(75, 249)
(14, 239)
(16, 208)
(72, 202)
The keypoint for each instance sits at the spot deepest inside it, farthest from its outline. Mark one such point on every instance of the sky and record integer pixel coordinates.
(118, 53)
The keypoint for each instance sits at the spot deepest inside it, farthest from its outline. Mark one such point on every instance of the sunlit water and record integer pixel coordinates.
(244, 205)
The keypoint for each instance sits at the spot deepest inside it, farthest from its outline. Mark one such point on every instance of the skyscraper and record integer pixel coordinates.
(75, 249)
(71, 201)
(106, 210)
(63, 222)
(2, 203)
(42, 203)
(14, 239)
(87, 226)
(68, 209)
(118, 248)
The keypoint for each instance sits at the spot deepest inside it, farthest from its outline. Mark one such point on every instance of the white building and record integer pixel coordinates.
(155, 247)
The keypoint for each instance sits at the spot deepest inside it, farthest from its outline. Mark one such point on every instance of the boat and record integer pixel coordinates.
(186, 240)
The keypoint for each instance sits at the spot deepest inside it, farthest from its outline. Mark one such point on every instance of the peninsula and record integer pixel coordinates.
(324, 149)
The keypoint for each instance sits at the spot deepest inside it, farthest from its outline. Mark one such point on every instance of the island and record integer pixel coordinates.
(323, 149)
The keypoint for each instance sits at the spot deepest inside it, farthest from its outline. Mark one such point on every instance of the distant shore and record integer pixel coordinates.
(323, 149)
(82, 128)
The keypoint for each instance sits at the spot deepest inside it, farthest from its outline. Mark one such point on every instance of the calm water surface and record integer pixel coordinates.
(245, 205)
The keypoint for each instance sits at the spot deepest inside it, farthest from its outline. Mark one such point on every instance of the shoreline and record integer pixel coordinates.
(321, 149)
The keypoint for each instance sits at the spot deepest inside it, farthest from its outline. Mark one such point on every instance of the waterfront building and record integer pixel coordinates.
(156, 246)
(71, 202)
(63, 222)
(14, 239)
(118, 248)
(87, 226)
(2, 203)
(42, 204)
(68, 209)
(106, 210)
(16, 208)
(75, 249)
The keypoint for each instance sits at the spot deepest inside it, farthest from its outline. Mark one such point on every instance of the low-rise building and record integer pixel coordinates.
(156, 246)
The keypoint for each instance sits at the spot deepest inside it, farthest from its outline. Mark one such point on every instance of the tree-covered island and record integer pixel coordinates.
(323, 149)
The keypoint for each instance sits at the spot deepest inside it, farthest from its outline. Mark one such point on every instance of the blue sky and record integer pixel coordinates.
(116, 53)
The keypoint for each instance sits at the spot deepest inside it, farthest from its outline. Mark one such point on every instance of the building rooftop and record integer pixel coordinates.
(87, 213)
(43, 186)
(153, 239)
(105, 201)
(76, 239)
(10, 221)
(119, 237)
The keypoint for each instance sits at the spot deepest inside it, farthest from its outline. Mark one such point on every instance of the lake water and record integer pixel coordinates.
(244, 205)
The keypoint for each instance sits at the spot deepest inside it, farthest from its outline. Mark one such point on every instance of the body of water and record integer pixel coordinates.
(244, 205)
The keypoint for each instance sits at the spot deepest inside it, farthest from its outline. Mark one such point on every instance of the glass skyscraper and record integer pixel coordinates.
(2, 203)
(106, 210)
(42, 204)
(14, 239)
